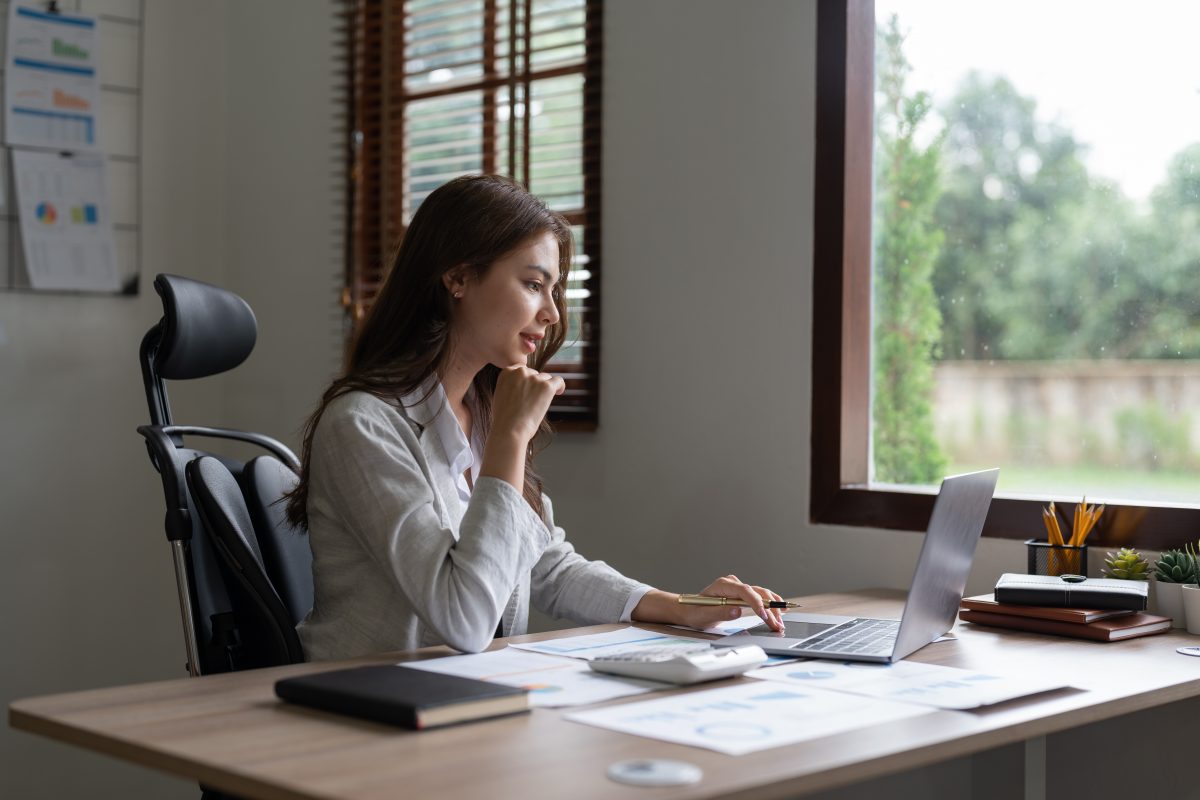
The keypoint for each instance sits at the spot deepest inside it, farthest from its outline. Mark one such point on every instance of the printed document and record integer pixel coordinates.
(909, 682)
(552, 681)
(51, 86)
(748, 717)
(65, 227)
(599, 645)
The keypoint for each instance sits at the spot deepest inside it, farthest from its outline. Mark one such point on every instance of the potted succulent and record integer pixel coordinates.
(1190, 592)
(1173, 570)
(1126, 564)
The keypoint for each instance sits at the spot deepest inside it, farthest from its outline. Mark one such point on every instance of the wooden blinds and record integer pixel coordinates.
(442, 88)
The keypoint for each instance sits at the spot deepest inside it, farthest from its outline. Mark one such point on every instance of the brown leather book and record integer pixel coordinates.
(987, 602)
(1104, 630)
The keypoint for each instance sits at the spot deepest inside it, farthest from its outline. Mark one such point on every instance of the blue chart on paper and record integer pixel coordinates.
(811, 675)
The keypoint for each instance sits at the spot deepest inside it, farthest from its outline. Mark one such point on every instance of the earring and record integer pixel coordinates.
(458, 295)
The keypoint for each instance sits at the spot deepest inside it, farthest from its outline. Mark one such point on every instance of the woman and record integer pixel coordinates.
(426, 519)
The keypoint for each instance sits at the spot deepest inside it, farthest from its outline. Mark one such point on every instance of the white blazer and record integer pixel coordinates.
(401, 561)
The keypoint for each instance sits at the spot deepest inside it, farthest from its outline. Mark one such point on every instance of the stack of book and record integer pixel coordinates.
(1102, 625)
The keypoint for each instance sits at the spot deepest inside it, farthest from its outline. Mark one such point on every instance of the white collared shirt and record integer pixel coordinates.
(428, 406)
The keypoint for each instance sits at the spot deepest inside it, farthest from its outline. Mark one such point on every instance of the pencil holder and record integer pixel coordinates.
(1053, 559)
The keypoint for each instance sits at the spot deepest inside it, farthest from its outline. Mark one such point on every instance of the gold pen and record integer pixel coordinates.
(710, 600)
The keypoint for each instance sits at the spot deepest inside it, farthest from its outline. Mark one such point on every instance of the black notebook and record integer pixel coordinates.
(1071, 592)
(413, 698)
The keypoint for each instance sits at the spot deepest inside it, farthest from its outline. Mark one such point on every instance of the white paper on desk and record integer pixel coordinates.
(597, 645)
(65, 226)
(909, 682)
(552, 681)
(747, 717)
(51, 84)
(729, 626)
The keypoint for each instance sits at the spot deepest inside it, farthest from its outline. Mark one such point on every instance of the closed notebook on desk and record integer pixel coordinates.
(987, 602)
(1104, 630)
(412, 698)
(1053, 590)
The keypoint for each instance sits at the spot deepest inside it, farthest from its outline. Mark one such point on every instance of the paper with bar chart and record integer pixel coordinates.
(52, 90)
(65, 225)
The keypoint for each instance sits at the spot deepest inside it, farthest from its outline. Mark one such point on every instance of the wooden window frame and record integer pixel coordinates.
(375, 196)
(840, 493)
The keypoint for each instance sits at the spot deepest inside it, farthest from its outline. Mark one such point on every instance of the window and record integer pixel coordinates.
(442, 88)
(1051, 327)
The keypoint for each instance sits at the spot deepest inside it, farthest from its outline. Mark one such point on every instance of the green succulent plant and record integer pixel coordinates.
(1175, 566)
(1126, 564)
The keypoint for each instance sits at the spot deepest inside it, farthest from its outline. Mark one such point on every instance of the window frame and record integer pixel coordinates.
(839, 488)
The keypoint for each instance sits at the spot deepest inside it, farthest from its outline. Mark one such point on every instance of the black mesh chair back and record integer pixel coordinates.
(265, 624)
(206, 330)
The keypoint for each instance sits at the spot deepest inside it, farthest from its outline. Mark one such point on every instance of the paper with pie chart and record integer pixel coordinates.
(748, 717)
(66, 231)
(910, 682)
(552, 681)
(51, 84)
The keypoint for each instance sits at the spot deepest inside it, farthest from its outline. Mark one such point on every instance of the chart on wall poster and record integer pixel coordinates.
(52, 91)
(65, 227)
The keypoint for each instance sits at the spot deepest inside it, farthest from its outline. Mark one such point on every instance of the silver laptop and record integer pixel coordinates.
(937, 588)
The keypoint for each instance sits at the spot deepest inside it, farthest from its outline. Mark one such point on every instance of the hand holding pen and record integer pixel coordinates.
(709, 600)
(724, 598)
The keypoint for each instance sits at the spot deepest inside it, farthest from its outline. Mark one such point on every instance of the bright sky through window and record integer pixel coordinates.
(1124, 80)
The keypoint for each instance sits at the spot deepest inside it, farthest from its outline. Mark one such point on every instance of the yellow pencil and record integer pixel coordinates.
(1077, 528)
(1057, 529)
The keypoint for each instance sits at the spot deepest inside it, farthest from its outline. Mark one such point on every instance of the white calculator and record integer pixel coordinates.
(681, 665)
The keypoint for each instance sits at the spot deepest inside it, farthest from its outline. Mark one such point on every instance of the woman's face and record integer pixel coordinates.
(502, 315)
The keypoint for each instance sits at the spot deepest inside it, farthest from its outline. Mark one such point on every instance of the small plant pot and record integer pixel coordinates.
(1191, 606)
(1170, 603)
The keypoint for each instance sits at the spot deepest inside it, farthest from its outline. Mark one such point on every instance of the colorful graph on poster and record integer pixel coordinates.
(46, 213)
(85, 214)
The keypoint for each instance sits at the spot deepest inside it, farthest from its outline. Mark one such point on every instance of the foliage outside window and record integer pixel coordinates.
(1005, 254)
(1023, 298)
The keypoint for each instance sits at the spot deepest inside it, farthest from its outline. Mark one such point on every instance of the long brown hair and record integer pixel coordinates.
(474, 220)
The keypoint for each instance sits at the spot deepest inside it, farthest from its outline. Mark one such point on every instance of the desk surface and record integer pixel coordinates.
(229, 731)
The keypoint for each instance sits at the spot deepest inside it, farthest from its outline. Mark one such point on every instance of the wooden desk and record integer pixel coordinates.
(230, 732)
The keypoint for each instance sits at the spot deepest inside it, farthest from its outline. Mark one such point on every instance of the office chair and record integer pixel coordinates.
(267, 626)
(230, 620)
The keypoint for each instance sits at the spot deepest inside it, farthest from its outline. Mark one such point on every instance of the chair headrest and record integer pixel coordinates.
(205, 330)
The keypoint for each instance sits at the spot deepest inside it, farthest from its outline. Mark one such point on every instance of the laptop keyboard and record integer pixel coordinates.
(868, 637)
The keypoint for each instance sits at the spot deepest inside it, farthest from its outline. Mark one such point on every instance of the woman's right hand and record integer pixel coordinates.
(520, 403)
(522, 398)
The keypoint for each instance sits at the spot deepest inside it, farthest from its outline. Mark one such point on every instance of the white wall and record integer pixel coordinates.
(283, 206)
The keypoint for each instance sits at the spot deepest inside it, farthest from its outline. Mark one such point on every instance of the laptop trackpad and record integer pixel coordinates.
(793, 629)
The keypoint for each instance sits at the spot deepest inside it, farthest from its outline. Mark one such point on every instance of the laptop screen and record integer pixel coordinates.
(945, 560)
